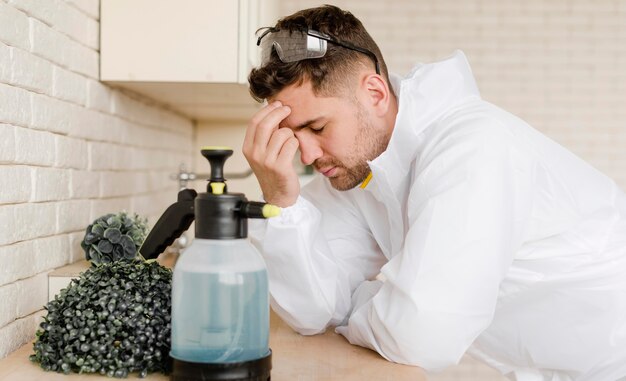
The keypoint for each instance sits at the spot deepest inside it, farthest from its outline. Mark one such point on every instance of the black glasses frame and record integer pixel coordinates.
(330, 39)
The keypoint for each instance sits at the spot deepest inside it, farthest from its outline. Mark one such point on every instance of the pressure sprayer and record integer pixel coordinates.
(220, 299)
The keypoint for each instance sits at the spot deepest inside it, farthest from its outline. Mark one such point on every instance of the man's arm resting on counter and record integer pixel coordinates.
(317, 252)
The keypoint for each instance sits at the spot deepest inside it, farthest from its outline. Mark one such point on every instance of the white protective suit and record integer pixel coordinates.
(490, 237)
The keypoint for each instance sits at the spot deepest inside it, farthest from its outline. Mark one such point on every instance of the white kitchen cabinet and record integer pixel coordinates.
(194, 55)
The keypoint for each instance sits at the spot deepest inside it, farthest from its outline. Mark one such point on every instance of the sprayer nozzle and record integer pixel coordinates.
(255, 209)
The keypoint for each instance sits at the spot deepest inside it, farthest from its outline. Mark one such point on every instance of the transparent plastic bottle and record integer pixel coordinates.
(220, 303)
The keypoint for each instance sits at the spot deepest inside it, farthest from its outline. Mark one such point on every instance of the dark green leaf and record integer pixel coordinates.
(128, 244)
(118, 252)
(105, 247)
(128, 223)
(114, 222)
(98, 230)
(113, 234)
(94, 255)
(90, 238)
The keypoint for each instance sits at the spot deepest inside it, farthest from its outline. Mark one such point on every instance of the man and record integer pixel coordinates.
(489, 237)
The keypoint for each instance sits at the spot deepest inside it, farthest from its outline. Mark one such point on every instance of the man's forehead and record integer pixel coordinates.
(305, 105)
(302, 114)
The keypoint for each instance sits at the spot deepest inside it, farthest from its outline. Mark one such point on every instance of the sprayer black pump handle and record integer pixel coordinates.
(176, 219)
(217, 157)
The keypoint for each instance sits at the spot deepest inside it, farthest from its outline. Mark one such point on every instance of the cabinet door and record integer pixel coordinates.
(170, 41)
(254, 14)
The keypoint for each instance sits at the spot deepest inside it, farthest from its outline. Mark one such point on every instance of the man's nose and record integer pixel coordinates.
(309, 151)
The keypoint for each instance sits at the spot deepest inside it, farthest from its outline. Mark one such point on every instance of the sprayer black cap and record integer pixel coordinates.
(218, 217)
(216, 211)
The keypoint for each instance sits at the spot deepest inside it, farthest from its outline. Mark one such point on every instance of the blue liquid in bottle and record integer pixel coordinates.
(220, 306)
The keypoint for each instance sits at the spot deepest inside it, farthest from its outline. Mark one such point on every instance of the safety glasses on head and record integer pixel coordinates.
(293, 46)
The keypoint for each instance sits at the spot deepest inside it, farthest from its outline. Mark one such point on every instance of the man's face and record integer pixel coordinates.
(336, 134)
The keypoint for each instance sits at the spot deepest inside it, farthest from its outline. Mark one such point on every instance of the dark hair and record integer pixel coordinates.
(328, 74)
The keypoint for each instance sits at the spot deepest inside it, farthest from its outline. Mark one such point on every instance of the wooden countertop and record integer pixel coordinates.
(326, 357)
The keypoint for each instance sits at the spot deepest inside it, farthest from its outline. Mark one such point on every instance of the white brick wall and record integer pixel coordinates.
(15, 334)
(7, 143)
(15, 30)
(560, 65)
(71, 149)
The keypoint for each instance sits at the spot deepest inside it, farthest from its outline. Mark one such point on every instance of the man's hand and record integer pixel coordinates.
(270, 151)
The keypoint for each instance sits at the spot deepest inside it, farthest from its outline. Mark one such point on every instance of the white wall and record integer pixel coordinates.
(71, 149)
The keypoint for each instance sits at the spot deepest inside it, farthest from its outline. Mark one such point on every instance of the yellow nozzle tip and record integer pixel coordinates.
(270, 210)
(217, 188)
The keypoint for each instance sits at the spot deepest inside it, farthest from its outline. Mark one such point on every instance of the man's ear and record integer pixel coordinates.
(376, 93)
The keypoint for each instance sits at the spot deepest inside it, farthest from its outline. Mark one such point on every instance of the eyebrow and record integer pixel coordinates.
(306, 124)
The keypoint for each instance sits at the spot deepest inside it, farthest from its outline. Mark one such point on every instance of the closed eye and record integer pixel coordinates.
(317, 130)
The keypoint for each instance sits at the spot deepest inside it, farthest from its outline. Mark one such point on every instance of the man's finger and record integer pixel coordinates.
(278, 139)
(287, 152)
(254, 121)
(266, 127)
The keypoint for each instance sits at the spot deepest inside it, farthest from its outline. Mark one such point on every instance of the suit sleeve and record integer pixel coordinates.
(317, 252)
(467, 212)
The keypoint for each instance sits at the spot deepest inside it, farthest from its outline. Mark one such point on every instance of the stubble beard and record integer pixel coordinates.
(368, 145)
